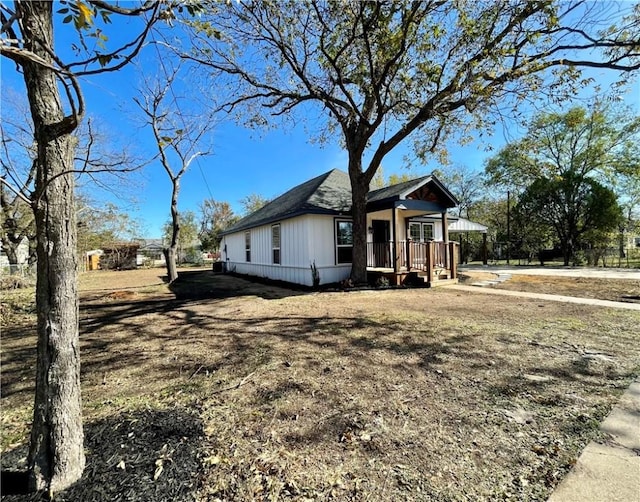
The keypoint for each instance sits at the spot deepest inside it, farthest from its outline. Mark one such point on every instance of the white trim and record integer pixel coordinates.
(247, 246)
(343, 246)
(273, 246)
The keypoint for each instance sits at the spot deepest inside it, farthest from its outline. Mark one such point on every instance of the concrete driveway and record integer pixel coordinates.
(602, 273)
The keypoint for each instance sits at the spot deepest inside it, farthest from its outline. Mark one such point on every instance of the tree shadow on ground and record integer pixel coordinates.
(199, 284)
(139, 456)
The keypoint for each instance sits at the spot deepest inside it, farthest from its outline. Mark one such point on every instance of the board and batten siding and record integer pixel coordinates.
(303, 240)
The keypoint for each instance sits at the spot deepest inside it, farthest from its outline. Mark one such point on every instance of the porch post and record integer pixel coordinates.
(445, 228)
(394, 248)
(431, 250)
(484, 248)
(445, 239)
(454, 260)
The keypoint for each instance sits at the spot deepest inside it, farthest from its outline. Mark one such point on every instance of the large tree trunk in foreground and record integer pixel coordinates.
(56, 454)
(359, 191)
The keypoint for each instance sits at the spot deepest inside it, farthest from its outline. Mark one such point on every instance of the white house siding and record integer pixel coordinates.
(303, 240)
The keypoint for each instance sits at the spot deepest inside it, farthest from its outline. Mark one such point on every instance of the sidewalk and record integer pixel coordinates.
(610, 471)
(600, 272)
(553, 298)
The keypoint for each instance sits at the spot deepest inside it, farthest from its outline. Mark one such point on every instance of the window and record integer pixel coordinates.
(275, 243)
(414, 232)
(344, 241)
(427, 232)
(247, 246)
(420, 232)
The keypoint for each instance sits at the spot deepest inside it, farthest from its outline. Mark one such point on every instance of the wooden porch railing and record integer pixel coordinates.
(431, 257)
(379, 254)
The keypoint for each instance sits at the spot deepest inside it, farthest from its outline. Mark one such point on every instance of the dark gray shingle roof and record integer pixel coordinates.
(329, 193)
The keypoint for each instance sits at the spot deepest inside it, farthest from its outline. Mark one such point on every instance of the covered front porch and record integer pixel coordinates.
(433, 263)
(408, 234)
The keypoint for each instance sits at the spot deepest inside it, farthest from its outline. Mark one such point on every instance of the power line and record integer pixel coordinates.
(184, 124)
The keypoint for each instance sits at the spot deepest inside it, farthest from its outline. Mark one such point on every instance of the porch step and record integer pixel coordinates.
(441, 279)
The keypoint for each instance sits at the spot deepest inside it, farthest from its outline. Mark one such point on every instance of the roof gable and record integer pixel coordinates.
(427, 188)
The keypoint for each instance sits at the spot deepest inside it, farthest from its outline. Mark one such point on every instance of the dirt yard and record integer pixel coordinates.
(222, 389)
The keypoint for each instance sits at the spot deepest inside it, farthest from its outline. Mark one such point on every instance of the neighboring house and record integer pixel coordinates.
(150, 253)
(119, 256)
(311, 225)
(92, 259)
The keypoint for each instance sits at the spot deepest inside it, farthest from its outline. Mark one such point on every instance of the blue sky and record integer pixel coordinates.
(243, 161)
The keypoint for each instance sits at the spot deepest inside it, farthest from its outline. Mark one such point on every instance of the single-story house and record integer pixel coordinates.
(151, 253)
(119, 256)
(311, 225)
(92, 259)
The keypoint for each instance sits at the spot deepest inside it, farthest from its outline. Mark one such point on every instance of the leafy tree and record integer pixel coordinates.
(626, 185)
(578, 209)
(529, 234)
(602, 143)
(102, 225)
(382, 72)
(466, 184)
(380, 181)
(215, 216)
(178, 135)
(56, 454)
(566, 153)
(252, 202)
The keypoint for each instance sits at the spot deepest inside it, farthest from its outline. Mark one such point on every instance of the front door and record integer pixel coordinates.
(381, 243)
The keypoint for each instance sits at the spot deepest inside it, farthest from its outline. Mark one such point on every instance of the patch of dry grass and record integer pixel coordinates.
(372, 395)
(625, 290)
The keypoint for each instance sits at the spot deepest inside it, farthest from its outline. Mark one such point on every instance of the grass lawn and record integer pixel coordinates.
(224, 389)
(617, 290)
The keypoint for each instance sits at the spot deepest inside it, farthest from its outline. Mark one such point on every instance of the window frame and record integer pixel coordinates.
(276, 257)
(339, 247)
(424, 237)
(414, 224)
(422, 226)
(247, 246)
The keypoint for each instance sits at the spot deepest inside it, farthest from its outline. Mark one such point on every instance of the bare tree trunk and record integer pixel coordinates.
(56, 454)
(33, 250)
(621, 239)
(170, 261)
(171, 252)
(11, 250)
